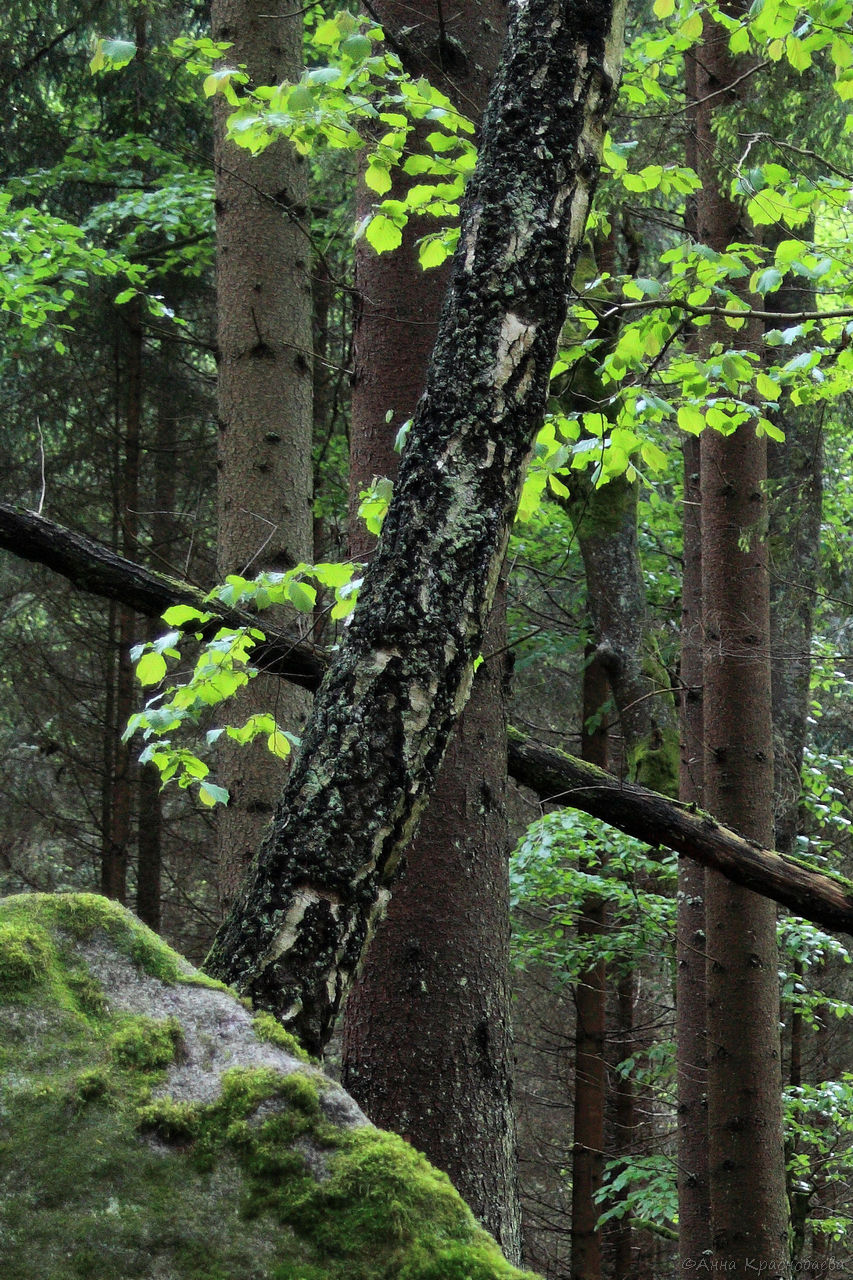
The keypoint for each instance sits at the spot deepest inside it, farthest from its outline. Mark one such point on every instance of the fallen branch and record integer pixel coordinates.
(824, 898)
(93, 567)
(555, 777)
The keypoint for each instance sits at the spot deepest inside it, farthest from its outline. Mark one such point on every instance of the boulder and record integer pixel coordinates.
(151, 1126)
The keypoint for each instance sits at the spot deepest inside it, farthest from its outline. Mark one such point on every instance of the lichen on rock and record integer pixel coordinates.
(151, 1127)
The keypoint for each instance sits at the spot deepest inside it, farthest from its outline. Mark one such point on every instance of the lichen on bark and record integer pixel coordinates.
(368, 759)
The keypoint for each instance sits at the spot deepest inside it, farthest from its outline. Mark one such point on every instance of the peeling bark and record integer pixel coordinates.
(383, 715)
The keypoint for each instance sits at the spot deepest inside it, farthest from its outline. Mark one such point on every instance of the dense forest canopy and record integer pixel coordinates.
(320, 373)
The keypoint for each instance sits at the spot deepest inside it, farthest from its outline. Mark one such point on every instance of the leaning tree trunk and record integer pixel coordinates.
(427, 1047)
(746, 1161)
(264, 396)
(383, 716)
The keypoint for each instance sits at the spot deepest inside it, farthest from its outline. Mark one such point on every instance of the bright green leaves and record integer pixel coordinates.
(151, 668)
(384, 233)
(45, 265)
(112, 55)
(357, 83)
(374, 503)
(222, 667)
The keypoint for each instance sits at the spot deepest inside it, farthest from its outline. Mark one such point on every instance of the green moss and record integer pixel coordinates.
(82, 915)
(26, 957)
(115, 1177)
(268, 1028)
(144, 1044)
(90, 1085)
(654, 764)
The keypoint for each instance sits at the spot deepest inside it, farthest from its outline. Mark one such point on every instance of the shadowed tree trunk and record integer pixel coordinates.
(694, 1208)
(746, 1162)
(427, 1046)
(264, 396)
(590, 1011)
(118, 834)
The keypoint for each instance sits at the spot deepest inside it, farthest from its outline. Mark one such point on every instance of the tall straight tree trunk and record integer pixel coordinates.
(590, 1012)
(264, 394)
(161, 555)
(427, 1045)
(746, 1159)
(115, 861)
(694, 1208)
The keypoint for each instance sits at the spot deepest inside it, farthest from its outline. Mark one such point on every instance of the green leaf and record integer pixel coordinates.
(150, 669)
(302, 596)
(377, 178)
(767, 388)
(383, 234)
(357, 47)
(209, 794)
(691, 420)
(112, 55)
(278, 744)
(179, 614)
(432, 252)
(333, 574)
(739, 41)
(692, 28)
(766, 281)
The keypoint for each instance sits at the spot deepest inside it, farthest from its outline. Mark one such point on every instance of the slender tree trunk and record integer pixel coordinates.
(384, 713)
(624, 1118)
(694, 1208)
(161, 554)
(590, 1011)
(427, 1044)
(115, 862)
(746, 1160)
(264, 395)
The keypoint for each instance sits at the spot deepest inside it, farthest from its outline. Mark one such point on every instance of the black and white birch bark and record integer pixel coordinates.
(383, 715)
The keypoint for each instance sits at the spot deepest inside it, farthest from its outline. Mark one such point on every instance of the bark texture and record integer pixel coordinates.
(264, 394)
(746, 1160)
(590, 1012)
(694, 1207)
(694, 1210)
(427, 1049)
(384, 713)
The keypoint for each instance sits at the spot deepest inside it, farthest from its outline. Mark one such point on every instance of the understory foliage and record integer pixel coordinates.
(106, 227)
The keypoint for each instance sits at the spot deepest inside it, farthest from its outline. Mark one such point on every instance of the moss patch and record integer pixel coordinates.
(104, 1172)
(270, 1029)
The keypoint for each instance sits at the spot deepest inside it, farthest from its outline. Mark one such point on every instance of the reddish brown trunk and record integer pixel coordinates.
(590, 1067)
(694, 1231)
(694, 1207)
(746, 1162)
(427, 1046)
(624, 1119)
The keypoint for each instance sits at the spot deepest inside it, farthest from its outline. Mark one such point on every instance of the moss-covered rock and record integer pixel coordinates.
(150, 1127)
